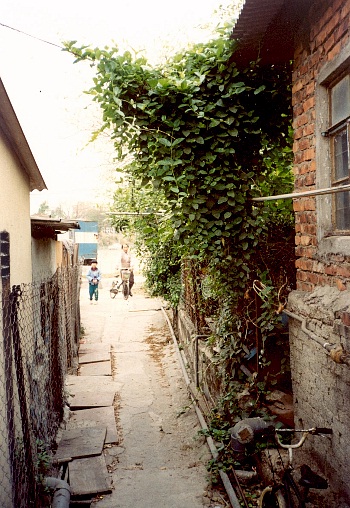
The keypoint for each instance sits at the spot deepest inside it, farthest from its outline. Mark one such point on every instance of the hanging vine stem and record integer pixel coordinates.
(248, 316)
(281, 305)
(260, 291)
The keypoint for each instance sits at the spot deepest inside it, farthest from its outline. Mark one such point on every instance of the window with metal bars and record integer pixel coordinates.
(339, 134)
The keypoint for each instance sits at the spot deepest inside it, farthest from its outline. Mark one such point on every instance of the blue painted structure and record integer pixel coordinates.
(87, 237)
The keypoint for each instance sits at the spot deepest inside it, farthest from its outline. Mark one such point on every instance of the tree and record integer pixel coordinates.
(154, 235)
(44, 208)
(59, 213)
(208, 134)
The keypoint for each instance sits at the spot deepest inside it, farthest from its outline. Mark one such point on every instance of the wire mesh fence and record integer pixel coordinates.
(197, 297)
(40, 325)
(274, 254)
(192, 297)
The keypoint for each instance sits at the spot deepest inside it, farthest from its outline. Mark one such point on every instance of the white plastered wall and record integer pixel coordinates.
(15, 213)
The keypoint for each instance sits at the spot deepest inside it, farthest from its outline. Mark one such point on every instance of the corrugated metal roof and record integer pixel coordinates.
(268, 29)
(254, 20)
(46, 227)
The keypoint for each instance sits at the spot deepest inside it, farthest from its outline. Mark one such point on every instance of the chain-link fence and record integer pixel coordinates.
(40, 329)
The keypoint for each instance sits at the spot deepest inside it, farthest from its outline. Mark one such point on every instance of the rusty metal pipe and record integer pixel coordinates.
(336, 353)
(196, 357)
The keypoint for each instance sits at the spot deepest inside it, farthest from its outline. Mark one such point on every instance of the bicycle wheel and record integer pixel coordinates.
(125, 290)
(114, 290)
(272, 497)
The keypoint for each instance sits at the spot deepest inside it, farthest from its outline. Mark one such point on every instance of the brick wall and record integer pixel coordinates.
(329, 22)
(321, 387)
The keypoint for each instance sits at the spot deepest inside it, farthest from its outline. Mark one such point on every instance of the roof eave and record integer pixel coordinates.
(268, 30)
(45, 227)
(15, 136)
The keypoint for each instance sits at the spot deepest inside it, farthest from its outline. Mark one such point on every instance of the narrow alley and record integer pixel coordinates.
(159, 460)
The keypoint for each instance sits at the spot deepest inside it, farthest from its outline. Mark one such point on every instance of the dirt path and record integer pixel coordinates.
(160, 459)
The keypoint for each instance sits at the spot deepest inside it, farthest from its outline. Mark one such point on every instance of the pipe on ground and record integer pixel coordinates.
(224, 478)
(61, 496)
(196, 358)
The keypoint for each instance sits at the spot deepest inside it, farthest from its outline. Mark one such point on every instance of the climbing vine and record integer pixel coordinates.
(208, 135)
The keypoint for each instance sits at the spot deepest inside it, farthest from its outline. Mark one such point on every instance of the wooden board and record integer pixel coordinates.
(94, 346)
(93, 418)
(89, 476)
(94, 356)
(78, 443)
(89, 383)
(96, 369)
(85, 400)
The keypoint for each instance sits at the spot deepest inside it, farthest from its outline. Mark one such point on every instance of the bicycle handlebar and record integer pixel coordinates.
(323, 430)
(313, 430)
(305, 433)
(249, 429)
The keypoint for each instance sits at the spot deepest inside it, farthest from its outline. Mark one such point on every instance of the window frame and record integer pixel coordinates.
(343, 126)
(330, 239)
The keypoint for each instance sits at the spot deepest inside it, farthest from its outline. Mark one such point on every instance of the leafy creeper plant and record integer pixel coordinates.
(199, 130)
(209, 135)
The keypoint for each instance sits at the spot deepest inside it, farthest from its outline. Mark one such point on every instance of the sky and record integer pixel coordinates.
(47, 90)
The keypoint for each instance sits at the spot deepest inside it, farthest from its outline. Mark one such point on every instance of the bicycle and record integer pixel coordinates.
(125, 274)
(114, 288)
(286, 493)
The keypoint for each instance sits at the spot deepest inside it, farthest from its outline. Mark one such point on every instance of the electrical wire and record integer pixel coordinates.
(33, 36)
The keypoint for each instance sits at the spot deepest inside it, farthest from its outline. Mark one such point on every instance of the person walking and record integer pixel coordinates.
(93, 276)
(126, 262)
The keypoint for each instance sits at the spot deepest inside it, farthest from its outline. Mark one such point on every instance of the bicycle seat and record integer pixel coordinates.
(310, 479)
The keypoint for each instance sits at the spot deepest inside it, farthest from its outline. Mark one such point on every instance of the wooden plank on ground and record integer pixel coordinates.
(93, 418)
(85, 400)
(88, 383)
(94, 346)
(78, 443)
(94, 356)
(89, 476)
(96, 369)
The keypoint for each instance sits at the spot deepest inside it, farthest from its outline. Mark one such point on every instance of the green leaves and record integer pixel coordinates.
(208, 136)
(164, 141)
(205, 136)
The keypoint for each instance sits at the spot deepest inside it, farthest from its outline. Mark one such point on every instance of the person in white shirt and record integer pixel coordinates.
(126, 261)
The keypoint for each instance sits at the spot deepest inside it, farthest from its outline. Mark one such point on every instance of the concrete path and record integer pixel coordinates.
(159, 461)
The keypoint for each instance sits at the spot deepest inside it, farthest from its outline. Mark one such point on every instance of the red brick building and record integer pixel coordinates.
(315, 34)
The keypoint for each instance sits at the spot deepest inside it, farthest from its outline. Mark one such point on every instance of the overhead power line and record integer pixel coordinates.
(32, 36)
(293, 195)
